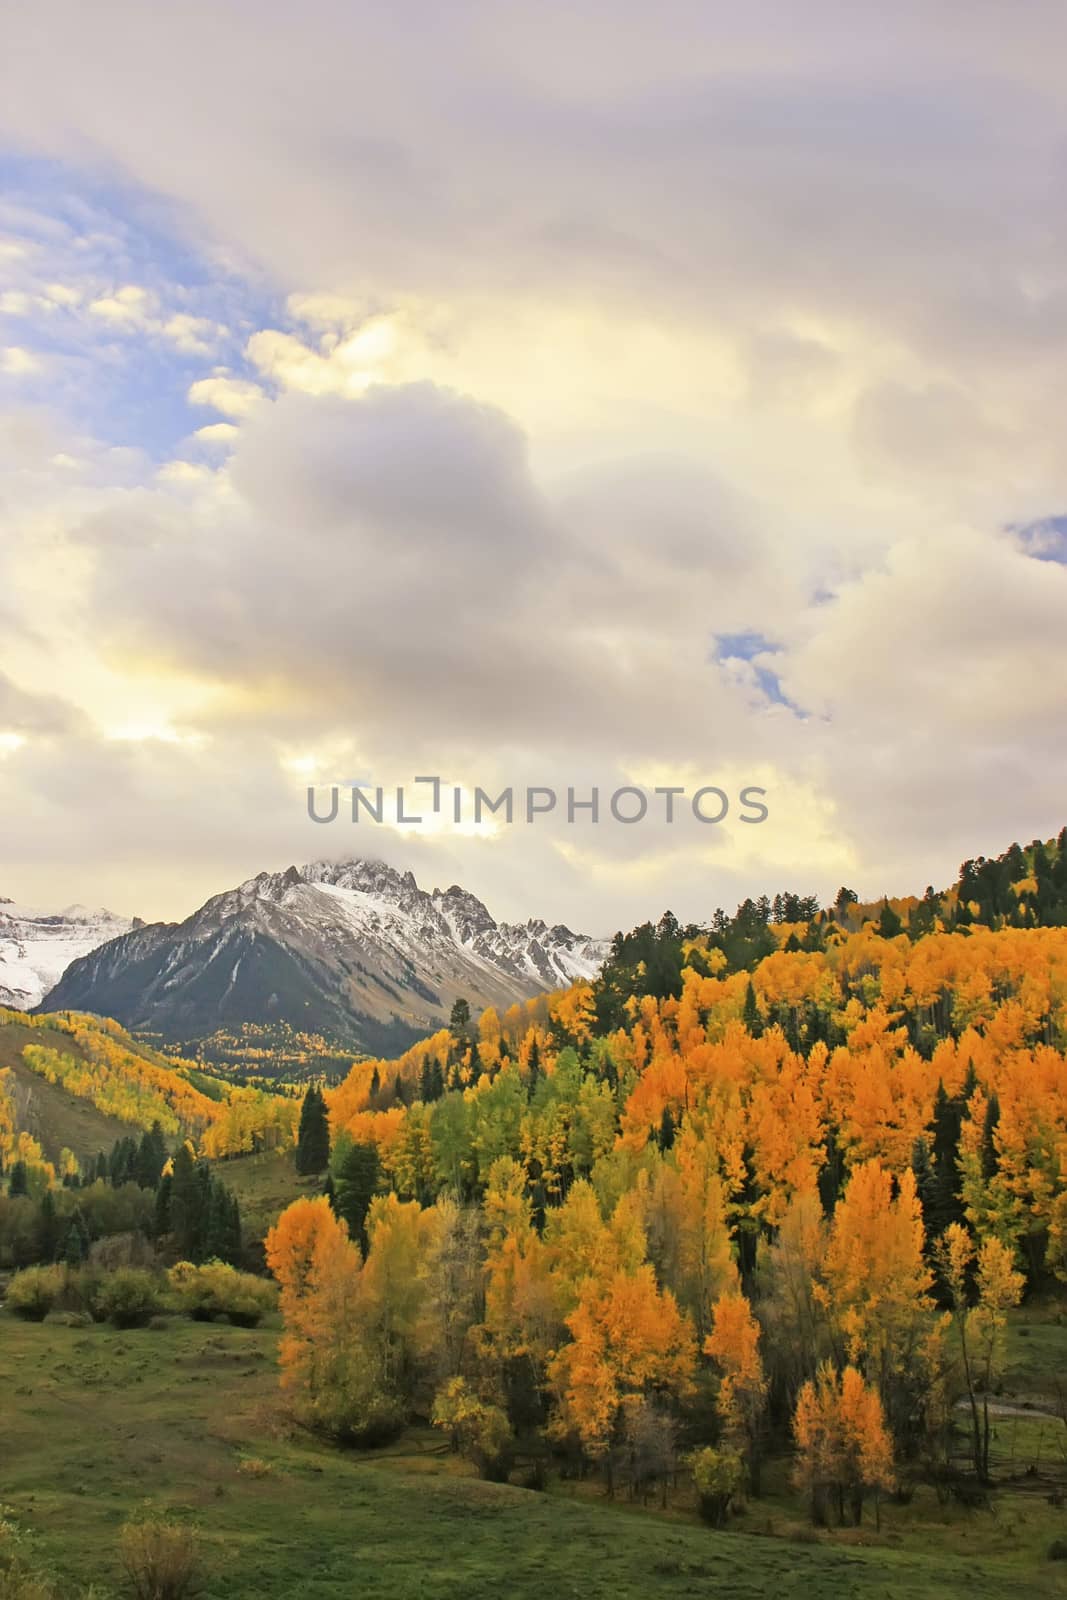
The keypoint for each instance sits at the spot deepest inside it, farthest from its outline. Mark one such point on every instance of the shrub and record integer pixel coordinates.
(129, 1298)
(33, 1292)
(218, 1290)
(718, 1475)
(479, 1428)
(161, 1559)
(70, 1319)
(1057, 1550)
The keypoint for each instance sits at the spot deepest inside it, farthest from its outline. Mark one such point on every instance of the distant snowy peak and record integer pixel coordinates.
(528, 951)
(36, 947)
(355, 949)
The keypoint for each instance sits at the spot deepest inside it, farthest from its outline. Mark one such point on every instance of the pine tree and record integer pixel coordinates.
(48, 1223)
(989, 1148)
(18, 1183)
(186, 1205)
(217, 1224)
(161, 1220)
(534, 1072)
(77, 1242)
(313, 1137)
(460, 1021)
(948, 1121)
(357, 1182)
(750, 1014)
(926, 1186)
(151, 1157)
(889, 924)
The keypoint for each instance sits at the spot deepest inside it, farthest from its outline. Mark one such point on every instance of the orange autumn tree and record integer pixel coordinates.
(843, 1445)
(329, 1367)
(876, 1281)
(733, 1345)
(629, 1343)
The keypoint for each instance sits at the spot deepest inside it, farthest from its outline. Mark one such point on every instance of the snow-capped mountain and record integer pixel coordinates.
(354, 950)
(36, 947)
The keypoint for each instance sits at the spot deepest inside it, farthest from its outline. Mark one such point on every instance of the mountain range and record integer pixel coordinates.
(354, 951)
(36, 947)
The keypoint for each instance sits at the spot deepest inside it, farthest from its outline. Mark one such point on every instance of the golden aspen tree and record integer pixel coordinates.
(843, 1445)
(979, 1326)
(628, 1338)
(876, 1281)
(733, 1344)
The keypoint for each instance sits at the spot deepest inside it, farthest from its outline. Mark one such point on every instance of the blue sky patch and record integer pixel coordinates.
(1045, 540)
(112, 312)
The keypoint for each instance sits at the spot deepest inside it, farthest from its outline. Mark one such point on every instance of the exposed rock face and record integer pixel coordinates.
(354, 950)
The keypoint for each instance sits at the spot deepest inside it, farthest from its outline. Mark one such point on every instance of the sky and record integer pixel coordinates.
(560, 395)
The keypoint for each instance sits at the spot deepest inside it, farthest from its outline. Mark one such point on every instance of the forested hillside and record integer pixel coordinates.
(770, 1186)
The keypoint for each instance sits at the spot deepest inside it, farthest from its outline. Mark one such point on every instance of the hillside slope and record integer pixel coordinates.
(54, 1116)
(81, 1082)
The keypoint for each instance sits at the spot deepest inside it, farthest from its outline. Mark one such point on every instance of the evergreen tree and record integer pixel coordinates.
(750, 1014)
(459, 1022)
(926, 1185)
(77, 1242)
(667, 1129)
(222, 1225)
(217, 1223)
(357, 1183)
(534, 1072)
(18, 1183)
(48, 1226)
(185, 1205)
(151, 1157)
(122, 1163)
(989, 1128)
(431, 1082)
(830, 1173)
(161, 1220)
(889, 924)
(313, 1137)
(844, 900)
(947, 1206)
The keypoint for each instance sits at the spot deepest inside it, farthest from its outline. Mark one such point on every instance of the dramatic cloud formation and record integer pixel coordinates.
(531, 397)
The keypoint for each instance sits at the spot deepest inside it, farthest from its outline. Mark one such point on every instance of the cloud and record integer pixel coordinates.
(20, 363)
(597, 398)
(24, 712)
(129, 307)
(234, 397)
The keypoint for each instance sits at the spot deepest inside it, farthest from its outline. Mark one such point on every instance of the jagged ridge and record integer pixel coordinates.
(354, 950)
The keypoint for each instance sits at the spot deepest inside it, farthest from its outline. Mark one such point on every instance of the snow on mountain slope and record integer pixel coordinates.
(36, 947)
(354, 950)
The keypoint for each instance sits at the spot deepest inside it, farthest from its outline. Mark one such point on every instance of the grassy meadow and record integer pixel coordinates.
(185, 1417)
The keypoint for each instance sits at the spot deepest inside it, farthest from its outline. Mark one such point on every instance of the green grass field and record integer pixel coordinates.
(186, 1417)
(264, 1185)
